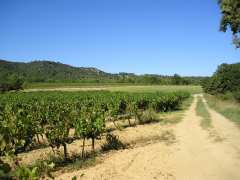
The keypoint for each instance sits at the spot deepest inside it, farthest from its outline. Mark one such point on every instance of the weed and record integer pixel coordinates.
(203, 113)
(112, 143)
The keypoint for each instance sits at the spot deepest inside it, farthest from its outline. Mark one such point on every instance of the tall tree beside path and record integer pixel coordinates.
(231, 18)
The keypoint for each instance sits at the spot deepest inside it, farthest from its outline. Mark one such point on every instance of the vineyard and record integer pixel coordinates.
(27, 117)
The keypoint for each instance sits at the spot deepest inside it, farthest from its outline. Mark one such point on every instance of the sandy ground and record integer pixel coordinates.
(131, 135)
(196, 155)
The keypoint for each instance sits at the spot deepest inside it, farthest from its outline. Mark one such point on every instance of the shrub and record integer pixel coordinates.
(148, 116)
(236, 95)
(16, 85)
(112, 143)
(26, 173)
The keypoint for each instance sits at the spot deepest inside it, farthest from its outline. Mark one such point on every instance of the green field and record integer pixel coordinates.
(70, 85)
(166, 88)
(113, 87)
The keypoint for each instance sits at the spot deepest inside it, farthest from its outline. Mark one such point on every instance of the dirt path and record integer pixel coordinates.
(199, 156)
(195, 156)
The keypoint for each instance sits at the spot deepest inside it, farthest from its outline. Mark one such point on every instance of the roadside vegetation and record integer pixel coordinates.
(175, 117)
(230, 108)
(202, 111)
(225, 82)
(163, 88)
(223, 91)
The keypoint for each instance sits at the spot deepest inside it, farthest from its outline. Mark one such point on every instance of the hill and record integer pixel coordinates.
(49, 71)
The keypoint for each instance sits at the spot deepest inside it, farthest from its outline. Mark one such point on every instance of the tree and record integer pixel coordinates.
(177, 80)
(231, 18)
(225, 79)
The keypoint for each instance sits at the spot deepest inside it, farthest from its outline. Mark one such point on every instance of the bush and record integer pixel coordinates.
(26, 173)
(112, 143)
(16, 85)
(148, 116)
(4, 170)
(236, 95)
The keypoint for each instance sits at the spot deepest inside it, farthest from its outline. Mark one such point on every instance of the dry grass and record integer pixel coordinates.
(202, 111)
(228, 108)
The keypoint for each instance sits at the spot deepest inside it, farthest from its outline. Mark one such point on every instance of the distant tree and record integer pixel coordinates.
(231, 18)
(151, 79)
(16, 84)
(51, 72)
(177, 79)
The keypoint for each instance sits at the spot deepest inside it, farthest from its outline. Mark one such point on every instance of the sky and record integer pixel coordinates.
(138, 36)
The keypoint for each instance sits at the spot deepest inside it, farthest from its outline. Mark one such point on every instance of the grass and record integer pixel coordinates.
(155, 88)
(228, 108)
(203, 113)
(69, 85)
(118, 87)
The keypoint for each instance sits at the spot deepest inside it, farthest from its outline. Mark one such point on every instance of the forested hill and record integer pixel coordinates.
(49, 71)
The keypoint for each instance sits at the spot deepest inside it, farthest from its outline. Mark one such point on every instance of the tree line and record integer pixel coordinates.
(53, 72)
(225, 81)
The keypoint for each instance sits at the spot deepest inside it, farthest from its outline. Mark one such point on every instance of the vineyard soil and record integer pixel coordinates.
(195, 155)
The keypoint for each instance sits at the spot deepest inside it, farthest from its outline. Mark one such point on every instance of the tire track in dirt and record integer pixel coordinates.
(198, 157)
(226, 129)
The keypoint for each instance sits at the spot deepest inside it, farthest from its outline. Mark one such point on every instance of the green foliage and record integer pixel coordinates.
(112, 143)
(229, 108)
(156, 88)
(226, 79)
(25, 173)
(23, 116)
(54, 72)
(231, 18)
(44, 167)
(13, 128)
(16, 84)
(58, 125)
(148, 116)
(5, 169)
(90, 123)
(236, 95)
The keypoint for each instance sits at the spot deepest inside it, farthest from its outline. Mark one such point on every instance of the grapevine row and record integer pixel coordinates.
(26, 116)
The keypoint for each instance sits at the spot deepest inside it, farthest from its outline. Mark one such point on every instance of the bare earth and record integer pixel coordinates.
(198, 154)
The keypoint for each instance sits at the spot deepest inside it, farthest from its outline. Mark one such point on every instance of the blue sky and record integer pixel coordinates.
(140, 36)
